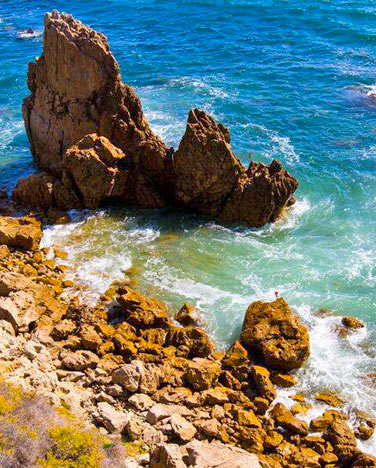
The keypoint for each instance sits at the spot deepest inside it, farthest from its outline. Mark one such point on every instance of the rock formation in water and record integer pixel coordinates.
(79, 111)
(271, 331)
(76, 89)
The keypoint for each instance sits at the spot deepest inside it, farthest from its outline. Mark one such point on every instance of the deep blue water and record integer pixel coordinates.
(293, 80)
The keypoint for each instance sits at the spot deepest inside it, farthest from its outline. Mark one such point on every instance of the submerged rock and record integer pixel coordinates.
(274, 333)
(352, 322)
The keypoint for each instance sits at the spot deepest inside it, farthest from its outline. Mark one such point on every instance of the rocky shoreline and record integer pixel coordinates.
(129, 368)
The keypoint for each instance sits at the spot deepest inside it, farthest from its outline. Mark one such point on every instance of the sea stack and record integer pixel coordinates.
(79, 110)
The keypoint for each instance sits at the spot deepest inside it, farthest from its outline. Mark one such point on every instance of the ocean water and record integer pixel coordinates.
(292, 80)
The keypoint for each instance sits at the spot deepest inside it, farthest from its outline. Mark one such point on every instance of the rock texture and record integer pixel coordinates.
(260, 195)
(272, 332)
(206, 169)
(79, 91)
(23, 233)
(88, 133)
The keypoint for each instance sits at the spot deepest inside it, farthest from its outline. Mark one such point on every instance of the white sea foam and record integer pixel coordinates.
(199, 86)
(9, 129)
(277, 145)
(26, 35)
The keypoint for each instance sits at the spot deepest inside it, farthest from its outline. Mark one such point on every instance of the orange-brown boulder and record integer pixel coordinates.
(95, 167)
(21, 233)
(141, 311)
(273, 332)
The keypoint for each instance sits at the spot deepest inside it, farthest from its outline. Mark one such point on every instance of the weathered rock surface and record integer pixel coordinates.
(22, 233)
(93, 167)
(206, 169)
(260, 195)
(88, 133)
(285, 419)
(203, 455)
(275, 334)
(79, 91)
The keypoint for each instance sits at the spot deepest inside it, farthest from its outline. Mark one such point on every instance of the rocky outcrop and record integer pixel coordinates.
(260, 195)
(88, 133)
(79, 91)
(272, 332)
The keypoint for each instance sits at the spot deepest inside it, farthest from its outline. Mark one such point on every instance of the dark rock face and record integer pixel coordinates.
(205, 167)
(77, 92)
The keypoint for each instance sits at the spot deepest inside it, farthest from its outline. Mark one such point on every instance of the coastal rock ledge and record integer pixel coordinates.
(90, 138)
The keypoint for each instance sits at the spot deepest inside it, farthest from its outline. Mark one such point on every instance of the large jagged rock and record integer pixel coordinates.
(259, 195)
(205, 167)
(76, 89)
(93, 172)
(274, 333)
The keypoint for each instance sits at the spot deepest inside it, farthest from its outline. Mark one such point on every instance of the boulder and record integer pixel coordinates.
(19, 309)
(140, 401)
(202, 373)
(215, 454)
(111, 418)
(363, 461)
(352, 322)
(167, 456)
(261, 377)
(259, 195)
(141, 311)
(129, 375)
(79, 360)
(181, 428)
(185, 316)
(68, 102)
(236, 361)
(285, 419)
(94, 167)
(160, 411)
(205, 167)
(21, 233)
(343, 440)
(283, 380)
(273, 332)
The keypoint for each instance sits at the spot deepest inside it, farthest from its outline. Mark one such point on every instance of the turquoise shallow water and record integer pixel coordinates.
(293, 80)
